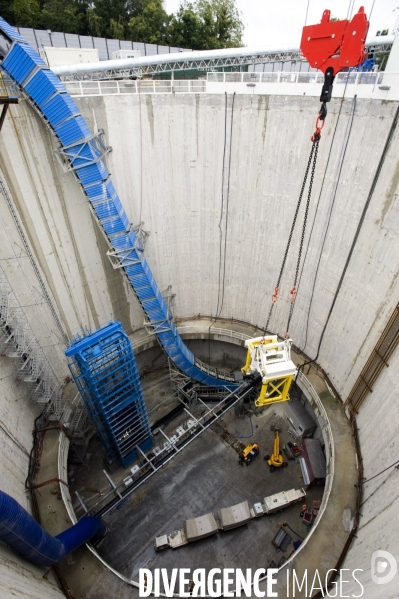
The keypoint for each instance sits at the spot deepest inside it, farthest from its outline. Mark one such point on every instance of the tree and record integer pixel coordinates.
(64, 15)
(151, 25)
(25, 12)
(117, 29)
(6, 12)
(185, 27)
(207, 24)
(108, 17)
(135, 8)
(94, 23)
(198, 24)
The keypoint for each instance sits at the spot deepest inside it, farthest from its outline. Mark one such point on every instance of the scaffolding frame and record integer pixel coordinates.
(18, 342)
(103, 366)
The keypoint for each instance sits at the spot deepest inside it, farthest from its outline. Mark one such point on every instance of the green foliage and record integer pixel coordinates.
(198, 24)
(63, 15)
(25, 12)
(184, 27)
(381, 60)
(207, 24)
(94, 23)
(6, 11)
(117, 29)
(383, 32)
(112, 17)
(151, 24)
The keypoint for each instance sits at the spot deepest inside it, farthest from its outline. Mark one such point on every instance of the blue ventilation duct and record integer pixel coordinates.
(27, 538)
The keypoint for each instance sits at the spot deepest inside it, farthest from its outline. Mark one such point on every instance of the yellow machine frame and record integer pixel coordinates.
(274, 390)
(272, 359)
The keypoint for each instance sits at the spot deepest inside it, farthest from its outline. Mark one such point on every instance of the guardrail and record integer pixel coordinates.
(324, 423)
(145, 86)
(8, 89)
(214, 331)
(325, 426)
(352, 77)
(199, 86)
(187, 329)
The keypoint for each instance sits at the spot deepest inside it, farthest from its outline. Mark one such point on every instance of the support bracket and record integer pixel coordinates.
(73, 156)
(158, 326)
(131, 255)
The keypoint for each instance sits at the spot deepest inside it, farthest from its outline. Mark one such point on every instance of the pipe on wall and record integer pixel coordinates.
(27, 538)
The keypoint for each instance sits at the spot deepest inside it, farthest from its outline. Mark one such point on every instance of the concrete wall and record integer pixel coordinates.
(67, 242)
(22, 580)
(178, 195)
(183, 140)
(16, 422)
(378, 527)
(19, 578)
(389, 83)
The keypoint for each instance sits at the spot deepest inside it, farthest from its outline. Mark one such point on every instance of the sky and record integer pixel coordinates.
(273, 23)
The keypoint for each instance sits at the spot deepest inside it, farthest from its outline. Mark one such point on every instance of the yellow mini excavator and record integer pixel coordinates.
(276, 460)
(248, 454)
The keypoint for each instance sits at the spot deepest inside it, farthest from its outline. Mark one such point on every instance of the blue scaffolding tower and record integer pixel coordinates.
(104, 369)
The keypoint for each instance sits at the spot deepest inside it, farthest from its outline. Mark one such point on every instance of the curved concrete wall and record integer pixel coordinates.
(182, 154)
(182, 138)
(378, 436)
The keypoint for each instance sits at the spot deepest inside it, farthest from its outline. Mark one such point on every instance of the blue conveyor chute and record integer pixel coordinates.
(50, 98)
(27, 538)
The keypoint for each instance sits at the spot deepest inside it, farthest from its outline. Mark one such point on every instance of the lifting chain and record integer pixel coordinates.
(294, 289)
(312, 157)
(317, 134)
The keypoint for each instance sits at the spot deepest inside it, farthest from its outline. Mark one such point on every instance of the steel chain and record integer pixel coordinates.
(314, 144)
(316, 147)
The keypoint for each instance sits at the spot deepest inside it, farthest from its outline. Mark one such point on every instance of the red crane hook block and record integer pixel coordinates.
(335, 44)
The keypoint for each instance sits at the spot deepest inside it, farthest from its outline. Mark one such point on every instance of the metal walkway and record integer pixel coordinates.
(18, 341)
(83, 154)
(200, 59)
(378, 360)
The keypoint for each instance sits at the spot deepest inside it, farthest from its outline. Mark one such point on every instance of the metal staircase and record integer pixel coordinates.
(29, 253)
(18, 342)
